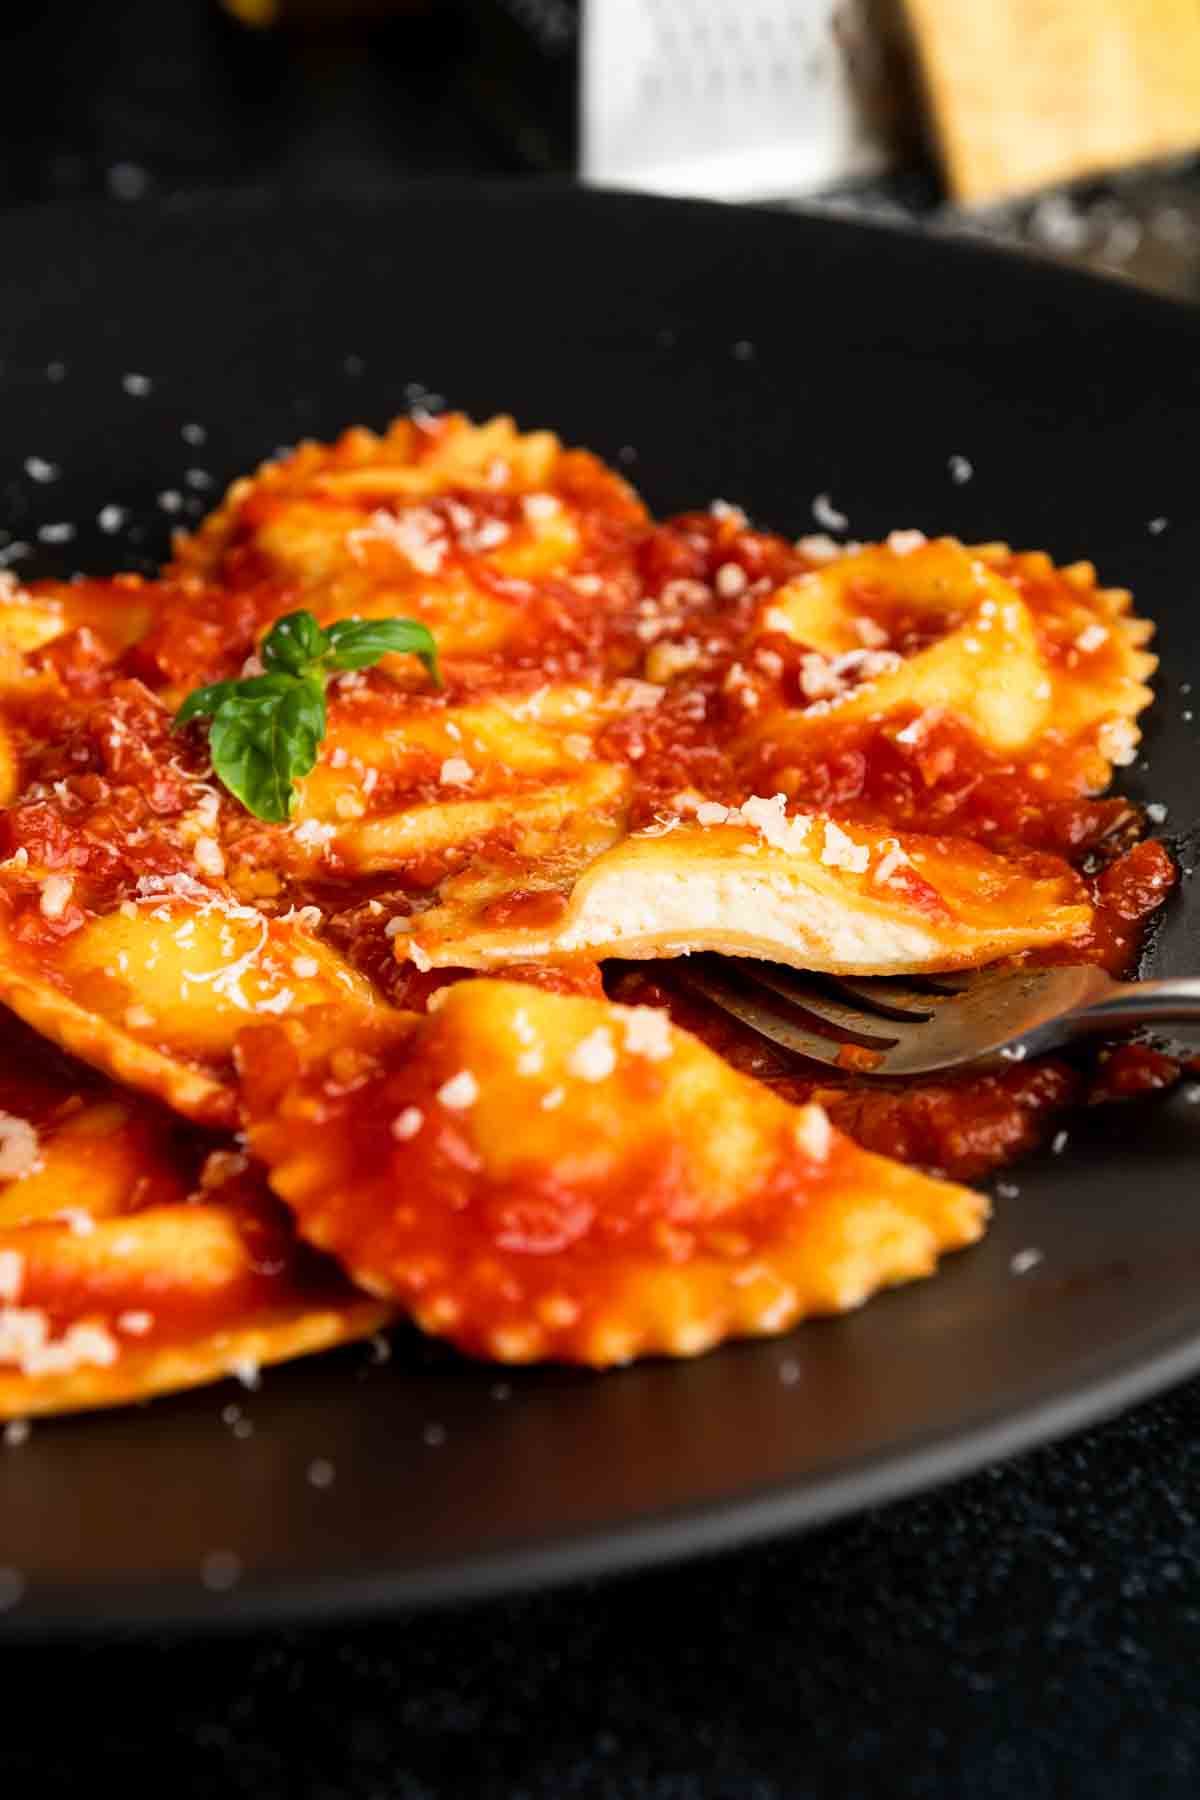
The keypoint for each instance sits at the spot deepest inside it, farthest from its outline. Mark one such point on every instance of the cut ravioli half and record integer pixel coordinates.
(135, 1256)
(652, 1200)
(439, 519)
(845, 899)
(154, 992)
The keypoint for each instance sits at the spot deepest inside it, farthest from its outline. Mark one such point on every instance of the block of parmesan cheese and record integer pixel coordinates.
(1026, 93)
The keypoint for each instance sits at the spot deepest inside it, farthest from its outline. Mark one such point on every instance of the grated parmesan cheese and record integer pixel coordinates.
(841, 852)
(667, 660)
(277, 1003)
(456, 771)
(221, 1166)
(56, 893)
(311, 831)
(1091, 638)
(632, 695)
(594, 1057)
(76, 1219)
(869, 634)
(819, 547)
(827, 515)
(829, 680)
(647, 1032)
(541, 506)
(416, 533)
(485, 536)
(25, 1341)
(460, 1092)
(813, 1132)
(407, 1123)
(817, 679)
(769, 818)
(903, 543)
(915, 730)
(1118, 741)
(892, 859)
(220, 1571)
(12, 1274)
(246, 1370)
(18, 1148)
(522, 1027)
(209, 857)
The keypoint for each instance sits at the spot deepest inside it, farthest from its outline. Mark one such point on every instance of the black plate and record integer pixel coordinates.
(761, 357)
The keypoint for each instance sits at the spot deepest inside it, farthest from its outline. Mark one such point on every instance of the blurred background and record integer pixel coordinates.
(1071, 127)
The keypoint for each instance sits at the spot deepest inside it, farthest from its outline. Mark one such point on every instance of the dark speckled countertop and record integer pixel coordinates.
(1033, 1631)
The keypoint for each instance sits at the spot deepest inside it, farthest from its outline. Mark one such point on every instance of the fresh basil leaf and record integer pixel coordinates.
(358, 643)
(293, 644)
(274, 685)
(262, 744)
(267, 729)
(204, 701)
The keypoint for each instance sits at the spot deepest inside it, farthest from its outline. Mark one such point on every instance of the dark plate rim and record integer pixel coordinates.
(707, 1529)
(832, 217)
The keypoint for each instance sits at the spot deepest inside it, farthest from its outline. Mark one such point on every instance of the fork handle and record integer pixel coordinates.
(1142, 1003)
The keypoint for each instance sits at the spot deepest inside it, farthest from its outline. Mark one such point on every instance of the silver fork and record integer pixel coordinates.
(921, 1025)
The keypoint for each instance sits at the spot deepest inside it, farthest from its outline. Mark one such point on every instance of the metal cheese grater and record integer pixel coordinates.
(730, 99)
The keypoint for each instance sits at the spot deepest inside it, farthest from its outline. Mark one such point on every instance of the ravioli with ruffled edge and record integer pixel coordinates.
(650, 1200)
(139, 1256)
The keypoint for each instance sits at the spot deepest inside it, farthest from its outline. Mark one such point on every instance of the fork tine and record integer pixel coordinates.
(783, 1021)
(825, 1011)
(895, 1041)
(993, 1014)
(885, 998)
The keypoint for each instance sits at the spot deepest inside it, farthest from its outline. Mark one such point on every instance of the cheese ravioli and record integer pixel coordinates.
(652, 1199)
(137, 1255)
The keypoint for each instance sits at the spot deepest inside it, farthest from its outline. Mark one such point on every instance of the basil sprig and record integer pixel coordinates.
(267, 729)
